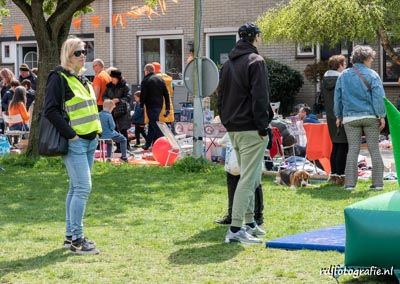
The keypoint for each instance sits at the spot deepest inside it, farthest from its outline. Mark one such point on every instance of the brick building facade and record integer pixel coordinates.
(164, 38)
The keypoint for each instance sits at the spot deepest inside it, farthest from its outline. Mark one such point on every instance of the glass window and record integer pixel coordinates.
(150, 51)
(173, 58)
(391, 70)
(304, 50)
(166, 50)
(31, 59)
(90, 50)
(7, 51)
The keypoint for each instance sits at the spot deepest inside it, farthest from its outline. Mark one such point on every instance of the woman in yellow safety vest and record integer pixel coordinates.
(77, 119)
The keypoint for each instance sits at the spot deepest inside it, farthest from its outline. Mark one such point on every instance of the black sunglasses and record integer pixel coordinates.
(78, 53)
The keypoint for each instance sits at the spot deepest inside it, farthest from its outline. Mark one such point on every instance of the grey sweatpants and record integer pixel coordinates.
(249, 147)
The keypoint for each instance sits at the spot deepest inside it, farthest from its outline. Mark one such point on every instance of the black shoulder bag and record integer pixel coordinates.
(51, 143)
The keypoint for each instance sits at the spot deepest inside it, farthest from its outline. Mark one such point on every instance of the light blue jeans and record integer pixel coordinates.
(79, 162)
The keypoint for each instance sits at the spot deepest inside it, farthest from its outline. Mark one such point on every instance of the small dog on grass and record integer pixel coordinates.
(293, 178)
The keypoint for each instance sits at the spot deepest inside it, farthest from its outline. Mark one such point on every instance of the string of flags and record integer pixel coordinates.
(135, 12)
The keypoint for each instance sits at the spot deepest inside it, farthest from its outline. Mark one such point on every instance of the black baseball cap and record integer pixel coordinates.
(248, 30)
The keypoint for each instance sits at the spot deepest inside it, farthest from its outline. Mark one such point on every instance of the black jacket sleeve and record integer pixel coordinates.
(53, 109)
(166, 96)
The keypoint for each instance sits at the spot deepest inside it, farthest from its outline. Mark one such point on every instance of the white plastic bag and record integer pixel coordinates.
(231, 163)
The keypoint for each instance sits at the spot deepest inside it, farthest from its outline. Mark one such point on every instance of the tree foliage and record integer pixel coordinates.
(315, 72)
(51, 22)
(284, 84)
(332, 21)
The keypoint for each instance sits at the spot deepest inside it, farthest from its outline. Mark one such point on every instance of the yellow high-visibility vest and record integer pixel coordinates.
(82, 108)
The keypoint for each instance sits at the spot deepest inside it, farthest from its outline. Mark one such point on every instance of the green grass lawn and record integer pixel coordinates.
(155, 225)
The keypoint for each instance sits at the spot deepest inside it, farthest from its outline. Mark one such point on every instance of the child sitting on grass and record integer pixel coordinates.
(108, 126)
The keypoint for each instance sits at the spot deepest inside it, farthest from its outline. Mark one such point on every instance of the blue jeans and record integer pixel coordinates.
(79, 163)
(154, 131)
(122, 142)
(20, 126)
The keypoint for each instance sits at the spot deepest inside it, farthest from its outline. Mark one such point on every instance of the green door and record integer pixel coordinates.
(220, 46)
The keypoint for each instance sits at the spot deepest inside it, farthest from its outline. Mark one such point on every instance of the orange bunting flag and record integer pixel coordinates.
(115, 18)
(77, 22)
(163, 6)
(17, 30)
(95, 21)
(123, 21)
(1, 29)
(119, 19)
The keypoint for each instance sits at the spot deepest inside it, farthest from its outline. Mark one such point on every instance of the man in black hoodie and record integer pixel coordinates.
(244, 108)
(153, 90)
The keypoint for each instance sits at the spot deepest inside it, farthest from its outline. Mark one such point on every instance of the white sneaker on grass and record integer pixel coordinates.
(256, 231)
(242, 237)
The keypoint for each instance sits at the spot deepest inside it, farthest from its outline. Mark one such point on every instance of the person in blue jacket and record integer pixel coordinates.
(306, 116)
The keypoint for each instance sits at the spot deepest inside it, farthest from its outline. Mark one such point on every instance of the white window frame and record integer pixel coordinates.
(382, 61)
(300, 53)
(162, 36)
(13, 52)
(30, 63)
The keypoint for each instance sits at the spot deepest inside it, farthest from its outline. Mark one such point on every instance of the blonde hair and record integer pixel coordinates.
(67, 51)
(108, 104)
(7, 76)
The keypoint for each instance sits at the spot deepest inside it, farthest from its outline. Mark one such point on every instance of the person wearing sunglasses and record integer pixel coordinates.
(70, 105)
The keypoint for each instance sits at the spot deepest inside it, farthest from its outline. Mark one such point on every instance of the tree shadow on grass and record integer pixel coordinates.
(214, 235)
(214, 253)
(33, 263)
(207, 254)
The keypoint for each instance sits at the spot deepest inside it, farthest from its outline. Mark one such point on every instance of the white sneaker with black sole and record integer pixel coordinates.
(241, 237)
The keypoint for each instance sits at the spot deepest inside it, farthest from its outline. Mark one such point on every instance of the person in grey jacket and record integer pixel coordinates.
(244, 108)
(340, 147)
(359, 106)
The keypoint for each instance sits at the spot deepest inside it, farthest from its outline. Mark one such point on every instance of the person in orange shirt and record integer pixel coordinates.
(17, 106)
(100, 81)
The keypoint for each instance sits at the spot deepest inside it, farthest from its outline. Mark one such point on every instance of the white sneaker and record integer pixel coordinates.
(242, 236)
(256, 231)
(349, 188)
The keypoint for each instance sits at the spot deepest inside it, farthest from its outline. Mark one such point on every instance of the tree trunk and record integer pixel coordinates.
(387, 47)
(49, 57)
(52, 51)
(50, 33)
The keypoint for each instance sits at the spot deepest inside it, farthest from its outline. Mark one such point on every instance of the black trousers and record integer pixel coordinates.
(338, 158)
(139, 129)
(232, 182)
